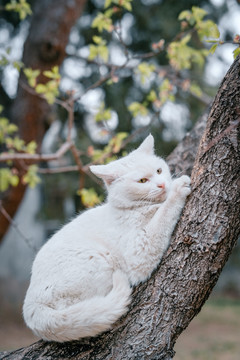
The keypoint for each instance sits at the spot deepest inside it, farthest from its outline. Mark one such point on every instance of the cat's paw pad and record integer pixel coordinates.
(182, 185)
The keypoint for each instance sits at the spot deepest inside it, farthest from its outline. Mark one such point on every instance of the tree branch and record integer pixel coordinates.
(37, 157)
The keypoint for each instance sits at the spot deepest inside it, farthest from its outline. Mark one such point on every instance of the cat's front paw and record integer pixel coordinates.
(182, 185)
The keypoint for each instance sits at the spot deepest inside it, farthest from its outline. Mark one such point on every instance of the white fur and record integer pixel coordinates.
(82, 277)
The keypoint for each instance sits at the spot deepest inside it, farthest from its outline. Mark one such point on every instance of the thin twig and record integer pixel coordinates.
(4, 157)
(58, 170)
(77, 159)
(119, 35)
(16, 227)
(98, 83)
(70, 109)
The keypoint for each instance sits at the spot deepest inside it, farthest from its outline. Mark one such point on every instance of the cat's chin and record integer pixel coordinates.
(158, 198)
(161, 197)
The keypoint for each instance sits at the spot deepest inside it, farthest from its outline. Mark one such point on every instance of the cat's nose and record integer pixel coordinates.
(161, 186)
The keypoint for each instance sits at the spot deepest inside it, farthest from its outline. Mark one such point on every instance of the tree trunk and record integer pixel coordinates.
(44, 48)
(207, 231)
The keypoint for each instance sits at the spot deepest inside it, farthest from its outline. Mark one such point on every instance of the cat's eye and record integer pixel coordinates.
(159, 171)
(143, 180)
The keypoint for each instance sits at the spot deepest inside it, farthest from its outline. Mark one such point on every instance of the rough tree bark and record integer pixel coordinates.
(207, 231)
(44, 48)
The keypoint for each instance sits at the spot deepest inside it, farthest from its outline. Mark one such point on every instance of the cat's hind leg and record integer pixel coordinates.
(90, 301)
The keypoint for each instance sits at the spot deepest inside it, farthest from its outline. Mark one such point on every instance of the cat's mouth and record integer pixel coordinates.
(160, 196)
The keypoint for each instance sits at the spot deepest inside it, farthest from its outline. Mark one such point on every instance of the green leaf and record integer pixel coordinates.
(152, 96)
(55, 70)
(195, 89)
(107, 3)
(116, 141)
(4, 179)
(7, 178)
(126, 4)
(236, 52)
(137, 109)
(18, 143)
(213, 48)
(12, 128)
(103, 52)
(31, 76)
(6, 128)
(185, 15)
(31, 147)
(22, 8)
(41, 88)
(100, 51)
(166, 92)
(89, 197)
(18, 65)
(93, 52)
(14, 180)
(53, 73)
(207, 29)
(15, 143)
(50, 97)
(103, 114)
(4, 61)
(145, 70)
(98, 40)
(185, 39)
(48, 74)
(198, 13)
(31, 178)
(182, 56)
(102, 22)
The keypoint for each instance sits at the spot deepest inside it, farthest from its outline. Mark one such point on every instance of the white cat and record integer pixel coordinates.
(82, 277)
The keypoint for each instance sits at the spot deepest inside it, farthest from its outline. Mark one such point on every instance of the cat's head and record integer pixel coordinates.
(139, 177)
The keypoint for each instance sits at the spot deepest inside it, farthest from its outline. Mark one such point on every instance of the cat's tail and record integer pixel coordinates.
(89, 317)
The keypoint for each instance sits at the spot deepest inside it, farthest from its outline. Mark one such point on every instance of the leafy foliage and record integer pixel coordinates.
(32, 76)
(21, 7)
(14, 144)
(50, 89)
(153, 80)
(7, 178)
(103, 114)
(181, 54)
(6, 128)
(103, 21)
(89, 197)
(31, 178)
(123, 3)
(100, 50)
(145, 70)
(107, 154)
(137, 108)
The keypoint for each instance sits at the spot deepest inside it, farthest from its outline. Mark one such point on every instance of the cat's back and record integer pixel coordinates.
(78, 233)
(71, 244)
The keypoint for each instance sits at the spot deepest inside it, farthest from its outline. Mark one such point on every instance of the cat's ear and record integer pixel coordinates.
(147, 145)
(107, 172)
